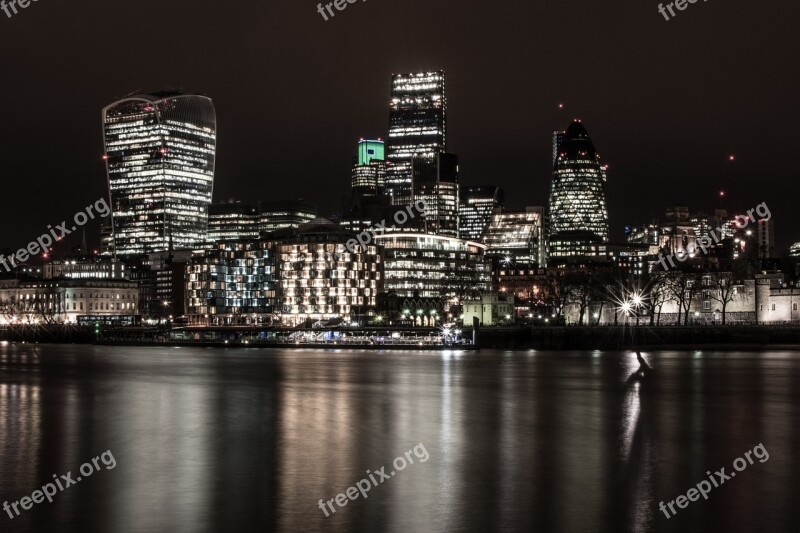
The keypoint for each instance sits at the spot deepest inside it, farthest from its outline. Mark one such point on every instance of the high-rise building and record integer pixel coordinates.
(578, 212)
(766, 238)
(435, 181)
(369, 169)
(642, 234)
(476, 206)
(160, 154)
(417, 128)
(274, 216)
(369, 151)
(517, 236)
(232, 222)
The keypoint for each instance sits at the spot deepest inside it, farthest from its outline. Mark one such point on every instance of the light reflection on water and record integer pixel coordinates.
(250, 440)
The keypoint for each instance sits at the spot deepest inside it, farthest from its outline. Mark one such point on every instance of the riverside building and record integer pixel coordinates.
(319, 279)
(429, 276)
(233, 283)
(59, 301)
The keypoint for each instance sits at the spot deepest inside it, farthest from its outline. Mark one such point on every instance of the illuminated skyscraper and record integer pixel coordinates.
(477, 204)
(417, 128)
(160, 153)
(369, 151)
(369, 169)
(578, 212)
(435, 181)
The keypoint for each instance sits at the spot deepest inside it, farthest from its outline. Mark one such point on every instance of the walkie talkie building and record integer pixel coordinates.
(160, 154)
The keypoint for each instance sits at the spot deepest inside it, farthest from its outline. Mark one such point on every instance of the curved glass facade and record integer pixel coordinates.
(160, 154)
(578, 189)
(432, 266)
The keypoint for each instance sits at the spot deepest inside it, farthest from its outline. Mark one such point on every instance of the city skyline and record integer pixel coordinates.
(399, 265)
(365, 147)
(689, 99)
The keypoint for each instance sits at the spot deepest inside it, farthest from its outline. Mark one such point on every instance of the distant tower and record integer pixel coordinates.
(477, 204)
(435, 181)
(160, 154)
(369, 169)
(578, 212)
(417, 128)
(766, 238)
(558, 138)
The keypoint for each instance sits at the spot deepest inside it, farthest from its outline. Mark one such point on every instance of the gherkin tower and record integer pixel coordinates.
(578, 210)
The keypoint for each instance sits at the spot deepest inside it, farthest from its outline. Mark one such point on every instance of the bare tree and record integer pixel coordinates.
(683, 286)
(8, 309)
(556, 295)
(579, 293)
(724, 290)
(658, 293)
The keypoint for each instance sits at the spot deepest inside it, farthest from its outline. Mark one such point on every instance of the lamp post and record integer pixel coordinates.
(626, 308)
(636, 301)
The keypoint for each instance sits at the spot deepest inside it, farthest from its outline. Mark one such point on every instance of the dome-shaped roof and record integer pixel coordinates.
(577, 143)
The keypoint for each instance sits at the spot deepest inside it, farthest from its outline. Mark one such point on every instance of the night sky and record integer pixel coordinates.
(666, 103)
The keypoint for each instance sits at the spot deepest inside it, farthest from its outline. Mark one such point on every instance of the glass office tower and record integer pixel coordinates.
(160, 154)
(435, 181)
(281, 215)
(232, 222)
(517, 236)
(578, 211)
(417, 128)
(477, 204)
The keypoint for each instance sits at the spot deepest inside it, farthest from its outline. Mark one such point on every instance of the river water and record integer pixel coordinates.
(211, 440)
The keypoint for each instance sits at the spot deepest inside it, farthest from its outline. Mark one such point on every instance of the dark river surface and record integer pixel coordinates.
(211, 440)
